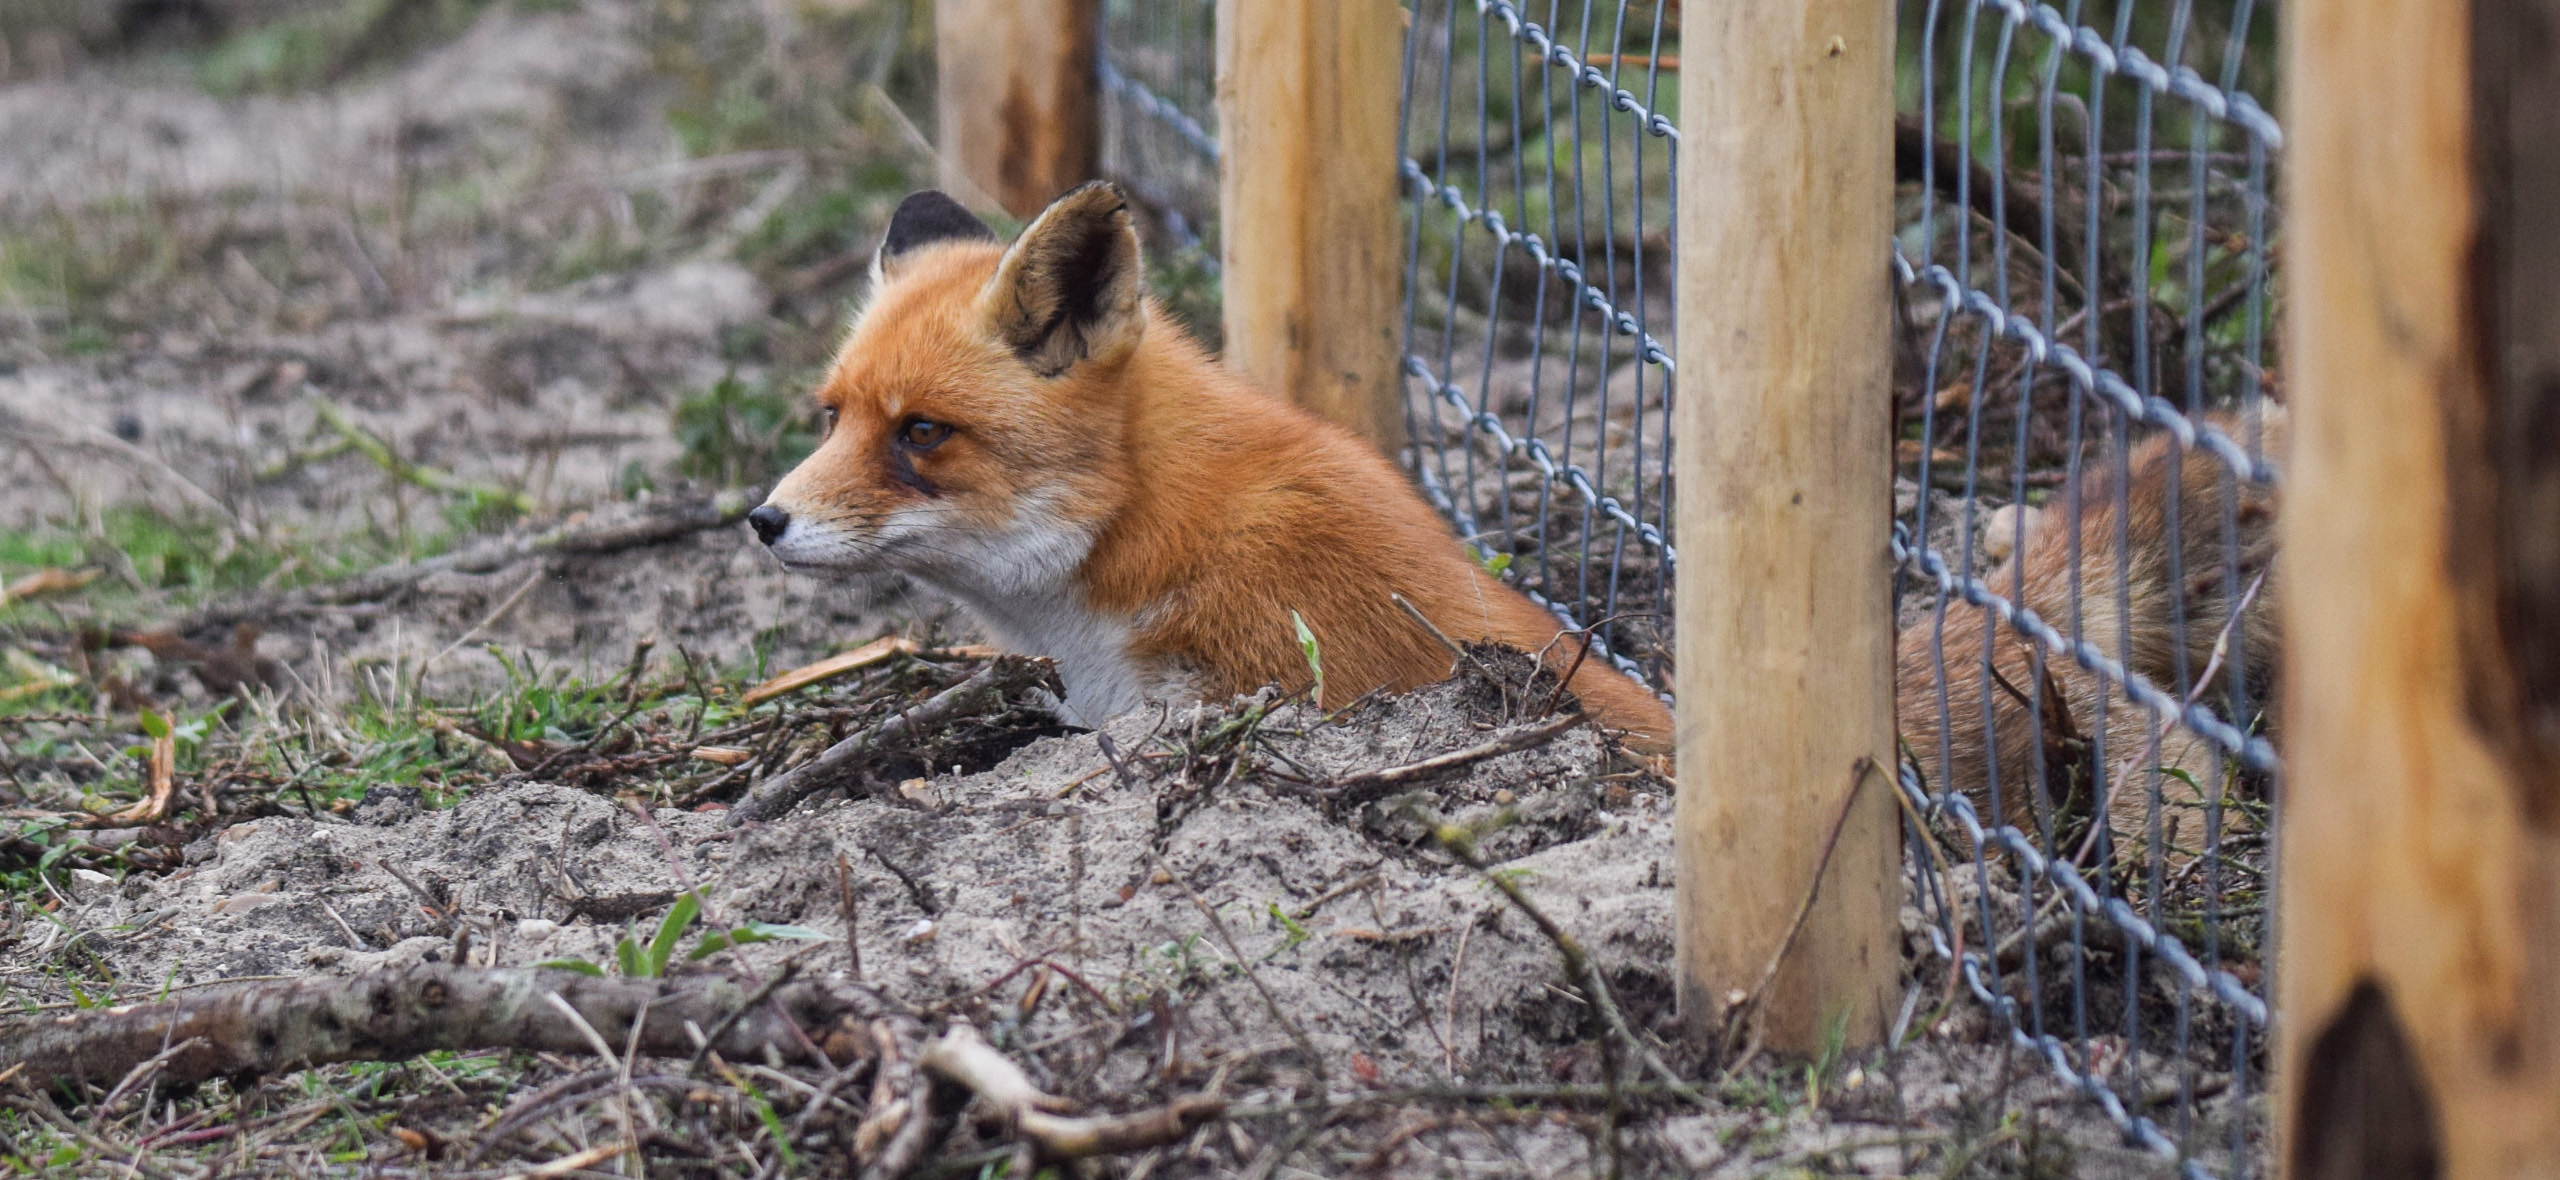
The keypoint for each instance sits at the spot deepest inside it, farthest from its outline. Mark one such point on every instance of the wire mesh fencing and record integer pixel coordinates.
(1538, 157)
(2088, 427)
(1159, 116)
(2084, 533)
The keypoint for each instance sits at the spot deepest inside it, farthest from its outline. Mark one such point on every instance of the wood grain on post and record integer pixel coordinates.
(1021, 100)
(2419, 1009)
(1310, 241)
(1783, 428)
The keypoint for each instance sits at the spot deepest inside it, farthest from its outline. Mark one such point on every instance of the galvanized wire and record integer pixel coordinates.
(1158, 70)
(2081, 335)
(1538, 319)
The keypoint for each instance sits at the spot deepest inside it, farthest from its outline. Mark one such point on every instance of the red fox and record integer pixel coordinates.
(2139, 627)
(1022, 429)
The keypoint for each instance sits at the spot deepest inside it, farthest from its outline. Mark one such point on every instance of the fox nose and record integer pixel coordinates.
(769, 522)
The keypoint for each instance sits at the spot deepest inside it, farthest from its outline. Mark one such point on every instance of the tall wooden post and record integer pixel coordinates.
(1783, 429)
(2420, 965)
(1310, 243)
(1021, 99)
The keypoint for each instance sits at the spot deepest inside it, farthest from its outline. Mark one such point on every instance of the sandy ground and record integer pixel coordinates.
(1224, 929)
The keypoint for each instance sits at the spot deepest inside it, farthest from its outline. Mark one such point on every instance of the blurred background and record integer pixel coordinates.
(290, 288)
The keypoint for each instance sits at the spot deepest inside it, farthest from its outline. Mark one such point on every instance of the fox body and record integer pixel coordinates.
(1021, 429)
(2130, 601)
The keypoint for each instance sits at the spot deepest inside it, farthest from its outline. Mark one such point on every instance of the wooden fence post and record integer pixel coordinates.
(1021, 99)
(2419, 977)
(1783, 428)
(1310, 243)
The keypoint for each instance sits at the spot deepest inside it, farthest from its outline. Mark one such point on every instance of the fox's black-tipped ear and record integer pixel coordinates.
(923, 219)
(1072, 288)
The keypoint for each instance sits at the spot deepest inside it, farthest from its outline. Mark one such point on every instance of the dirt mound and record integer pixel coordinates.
(1349, 913)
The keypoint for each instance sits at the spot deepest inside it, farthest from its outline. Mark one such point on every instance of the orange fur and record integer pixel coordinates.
(2136, 627)
(1198, 512)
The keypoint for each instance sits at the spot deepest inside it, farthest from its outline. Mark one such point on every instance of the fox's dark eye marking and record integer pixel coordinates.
(923, 434)
(918, 436)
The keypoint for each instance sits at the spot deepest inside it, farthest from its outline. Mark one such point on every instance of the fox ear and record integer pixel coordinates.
(1071, 289)
(923, 219)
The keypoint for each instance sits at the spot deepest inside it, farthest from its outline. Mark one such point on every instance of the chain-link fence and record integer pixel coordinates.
(2087, 425)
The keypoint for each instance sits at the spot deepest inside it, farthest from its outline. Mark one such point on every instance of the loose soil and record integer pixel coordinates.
(498, 256)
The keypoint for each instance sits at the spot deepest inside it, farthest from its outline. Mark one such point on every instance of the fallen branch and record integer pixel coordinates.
(918, 1126)
(893, 1078)
(669, 522)
(1034, 1118)
(2010, 203)
(232, 668)
(999, 679)
(278, 1026)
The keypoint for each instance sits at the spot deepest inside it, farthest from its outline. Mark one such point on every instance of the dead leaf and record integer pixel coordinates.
(243, 903)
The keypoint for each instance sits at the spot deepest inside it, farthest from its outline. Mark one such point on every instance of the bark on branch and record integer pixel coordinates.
(279, 1026)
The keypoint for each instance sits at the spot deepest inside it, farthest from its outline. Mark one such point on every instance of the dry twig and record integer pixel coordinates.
(998, 680)
(1034, 1118)
(1742, 1012)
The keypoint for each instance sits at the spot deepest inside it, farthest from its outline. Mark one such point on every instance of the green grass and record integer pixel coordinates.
(1190, 292)
(72, 265)
(739, 432)
(183, 560)
(327, 45)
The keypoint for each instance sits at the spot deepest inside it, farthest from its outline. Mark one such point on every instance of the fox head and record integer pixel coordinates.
(972, 427)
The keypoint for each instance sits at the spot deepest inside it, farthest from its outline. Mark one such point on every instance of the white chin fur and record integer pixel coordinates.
(1018, 579)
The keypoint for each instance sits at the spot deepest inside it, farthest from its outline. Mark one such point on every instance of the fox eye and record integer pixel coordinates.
(924, 434)
(827, 416)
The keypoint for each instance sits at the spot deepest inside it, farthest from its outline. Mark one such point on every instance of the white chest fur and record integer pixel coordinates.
(1020, 582)
(1092, 651)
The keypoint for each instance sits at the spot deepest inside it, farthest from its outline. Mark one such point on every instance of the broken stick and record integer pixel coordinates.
(878, 651)
(999, 679)
(277, 1026)
(962, 1057)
